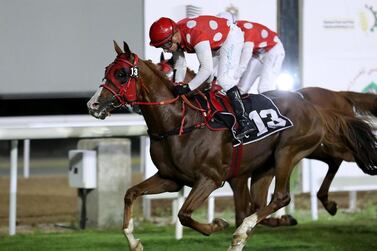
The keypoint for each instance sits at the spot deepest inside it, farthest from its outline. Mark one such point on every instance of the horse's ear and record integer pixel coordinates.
(171, 61)
(162, 57)
(126, 49)
(117, 48)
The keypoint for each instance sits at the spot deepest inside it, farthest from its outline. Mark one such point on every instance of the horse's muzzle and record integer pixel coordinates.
(98, 114)
(97, 111)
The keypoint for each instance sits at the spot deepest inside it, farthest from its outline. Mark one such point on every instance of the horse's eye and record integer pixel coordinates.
(122, 76)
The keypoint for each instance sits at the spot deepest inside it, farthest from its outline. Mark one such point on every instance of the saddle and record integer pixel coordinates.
(219, 113)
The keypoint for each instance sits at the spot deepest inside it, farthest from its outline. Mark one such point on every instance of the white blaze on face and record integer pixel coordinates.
(94, 98)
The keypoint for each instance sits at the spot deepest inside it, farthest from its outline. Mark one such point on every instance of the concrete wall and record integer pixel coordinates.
(105, 203)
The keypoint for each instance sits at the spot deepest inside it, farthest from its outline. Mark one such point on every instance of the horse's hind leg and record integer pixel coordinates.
(153, 185)
(199, 193)
(323, 192)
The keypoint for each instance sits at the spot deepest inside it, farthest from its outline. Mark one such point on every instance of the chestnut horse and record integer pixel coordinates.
(343, 102)
(201, 158)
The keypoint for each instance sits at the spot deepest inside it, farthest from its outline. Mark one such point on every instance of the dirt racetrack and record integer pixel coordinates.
(49, 200)
(41, 199)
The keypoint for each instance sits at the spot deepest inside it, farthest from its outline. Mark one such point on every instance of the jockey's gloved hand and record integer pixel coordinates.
(181, 88)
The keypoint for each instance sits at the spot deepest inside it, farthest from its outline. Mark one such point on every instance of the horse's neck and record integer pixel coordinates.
(159, 118)
(190, 74)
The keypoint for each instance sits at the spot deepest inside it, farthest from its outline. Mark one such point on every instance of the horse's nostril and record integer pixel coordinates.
(94, 105)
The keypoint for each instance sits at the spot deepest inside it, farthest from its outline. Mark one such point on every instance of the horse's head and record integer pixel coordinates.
(166, 66)
(119, 88)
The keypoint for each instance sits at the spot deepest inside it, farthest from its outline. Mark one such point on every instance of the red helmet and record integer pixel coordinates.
(162, 31)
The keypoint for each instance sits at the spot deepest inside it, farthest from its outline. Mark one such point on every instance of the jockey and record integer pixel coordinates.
(212, 39)
(262, 55)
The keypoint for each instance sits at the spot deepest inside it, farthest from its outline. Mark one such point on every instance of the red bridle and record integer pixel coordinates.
(126, 92)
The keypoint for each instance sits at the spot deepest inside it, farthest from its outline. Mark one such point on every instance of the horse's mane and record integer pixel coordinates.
(168, 83)
(153, 67)
(171, 62)
(189, 71)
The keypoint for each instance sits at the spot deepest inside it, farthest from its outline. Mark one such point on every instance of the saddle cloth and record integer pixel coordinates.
(261, 109)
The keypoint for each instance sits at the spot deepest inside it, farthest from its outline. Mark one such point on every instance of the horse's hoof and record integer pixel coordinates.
(238, 242)
(138, 246)
(331, 207)
(288, 220)
(220, 224)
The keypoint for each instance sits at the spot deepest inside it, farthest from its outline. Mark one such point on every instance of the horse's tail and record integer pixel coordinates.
(364, 103)
(356, 135)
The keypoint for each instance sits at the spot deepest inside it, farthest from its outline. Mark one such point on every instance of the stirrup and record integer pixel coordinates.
(242, 135)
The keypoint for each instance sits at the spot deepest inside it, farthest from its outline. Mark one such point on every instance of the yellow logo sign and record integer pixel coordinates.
(368, 19)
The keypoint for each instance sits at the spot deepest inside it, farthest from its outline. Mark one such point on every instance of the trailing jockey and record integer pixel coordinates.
(262, 55)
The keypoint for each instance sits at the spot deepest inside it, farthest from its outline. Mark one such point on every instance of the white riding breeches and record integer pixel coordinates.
(267, 67)
(227, 58)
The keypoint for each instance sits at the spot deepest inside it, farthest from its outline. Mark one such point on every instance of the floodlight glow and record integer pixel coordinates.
(285, 82)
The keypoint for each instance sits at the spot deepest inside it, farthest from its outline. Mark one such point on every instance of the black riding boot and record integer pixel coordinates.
(246, 125)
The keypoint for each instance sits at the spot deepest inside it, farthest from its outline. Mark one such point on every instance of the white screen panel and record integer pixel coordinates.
(63, 46)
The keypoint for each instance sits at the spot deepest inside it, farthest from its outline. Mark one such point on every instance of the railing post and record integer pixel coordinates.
(13, 188)
(353, 201)
(211, 209)
(178, 225)
(313, 194)
(27, 158)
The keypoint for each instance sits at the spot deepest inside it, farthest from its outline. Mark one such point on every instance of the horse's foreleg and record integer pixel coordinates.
(241, 196)
(259, 196)
(199, 193)
(323, 192)
(247, 202)
(280, 199)
(153, 185)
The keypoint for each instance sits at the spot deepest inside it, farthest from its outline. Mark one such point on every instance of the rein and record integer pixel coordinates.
(127, 94)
